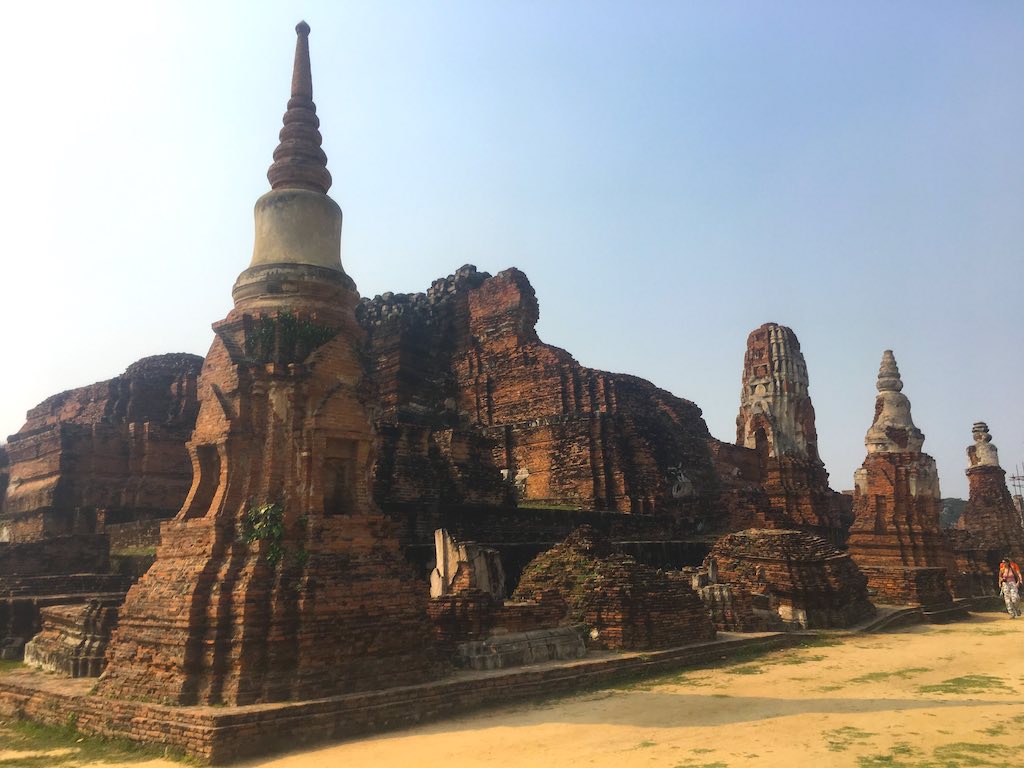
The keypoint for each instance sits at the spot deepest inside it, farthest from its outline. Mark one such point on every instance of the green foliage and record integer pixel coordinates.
(966, 684)
(266, 523)
(841, 739)
(47, 746)
(878, 677)
(284, 338)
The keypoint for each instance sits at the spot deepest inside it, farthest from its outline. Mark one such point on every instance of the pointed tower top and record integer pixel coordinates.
(299, 162)
(889, 374)
(893, 430)
(982, 453)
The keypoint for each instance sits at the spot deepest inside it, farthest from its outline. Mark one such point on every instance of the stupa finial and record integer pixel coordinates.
(299, 162)
(889, 374)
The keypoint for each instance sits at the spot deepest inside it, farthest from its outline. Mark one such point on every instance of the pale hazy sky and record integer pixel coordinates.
(669, 175)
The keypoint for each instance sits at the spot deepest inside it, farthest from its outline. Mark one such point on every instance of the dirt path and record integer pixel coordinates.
(927, 697)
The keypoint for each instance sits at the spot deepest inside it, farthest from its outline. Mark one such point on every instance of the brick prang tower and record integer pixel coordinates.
(776, 418)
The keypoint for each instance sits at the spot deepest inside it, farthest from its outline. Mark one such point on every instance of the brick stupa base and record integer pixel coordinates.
(808, 582)
(218, 735)
(908, 585)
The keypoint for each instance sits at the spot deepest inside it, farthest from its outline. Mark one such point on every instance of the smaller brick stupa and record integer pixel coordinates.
(776, 419)
(990, 514)
(279, 578)
(896, 538)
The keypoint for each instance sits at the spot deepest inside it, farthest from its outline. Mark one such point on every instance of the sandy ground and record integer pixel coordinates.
(927, 697)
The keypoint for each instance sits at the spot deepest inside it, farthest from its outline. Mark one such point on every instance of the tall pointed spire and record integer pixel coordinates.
(889, 374)
(299, 162)
(893, 430)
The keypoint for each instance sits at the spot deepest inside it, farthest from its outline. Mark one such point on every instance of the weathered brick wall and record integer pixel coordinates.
(416, 523)
(103, 449)
(465, 615)
(141, 534)
(976, 566)
(5, 472)
(897, 504)
(990, 515)
(908, 585)
(68, 554)
(465, 357)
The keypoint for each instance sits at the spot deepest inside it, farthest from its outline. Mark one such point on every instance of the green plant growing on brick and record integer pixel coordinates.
(266, 523)
(284, 338)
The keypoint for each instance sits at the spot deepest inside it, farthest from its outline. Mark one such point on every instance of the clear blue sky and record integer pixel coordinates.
(669, 175)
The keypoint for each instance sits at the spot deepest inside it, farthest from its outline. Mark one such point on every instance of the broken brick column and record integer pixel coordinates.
(990, 515)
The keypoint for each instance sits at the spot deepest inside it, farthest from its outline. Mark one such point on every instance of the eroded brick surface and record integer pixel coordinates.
(805, 579)
(896, 539)
(776, 421)
(470, 395)
(628, 605)
(110, 452)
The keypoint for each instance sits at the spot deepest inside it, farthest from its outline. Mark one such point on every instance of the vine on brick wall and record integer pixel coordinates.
(284, 338)
(266, 523)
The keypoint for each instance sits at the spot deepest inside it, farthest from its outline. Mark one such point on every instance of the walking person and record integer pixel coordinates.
(1009, 586)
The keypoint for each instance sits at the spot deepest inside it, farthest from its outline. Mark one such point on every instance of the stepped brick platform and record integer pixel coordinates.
(807, 581)
(624, 604)
(74, 638)
(220, 735)
(23, 598)
(516, 649)
(21, 617)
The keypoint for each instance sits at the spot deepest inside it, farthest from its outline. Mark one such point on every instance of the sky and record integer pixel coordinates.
(669, 175)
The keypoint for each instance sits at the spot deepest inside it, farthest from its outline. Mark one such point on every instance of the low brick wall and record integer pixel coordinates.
(84, 553)
(219, 735)
(141, 534)
(21, 619)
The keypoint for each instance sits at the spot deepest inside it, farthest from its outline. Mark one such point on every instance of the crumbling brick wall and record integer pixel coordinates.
(624, 603)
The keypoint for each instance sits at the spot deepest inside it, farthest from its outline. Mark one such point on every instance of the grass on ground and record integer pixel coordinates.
(44, 746)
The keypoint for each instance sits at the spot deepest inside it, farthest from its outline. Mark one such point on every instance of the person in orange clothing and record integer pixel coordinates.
(1009, 586)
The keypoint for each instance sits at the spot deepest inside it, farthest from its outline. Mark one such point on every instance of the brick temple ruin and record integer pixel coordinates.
(282, 451)
(896, 537)
(776, 420)
(990, 515)
(356, 513)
